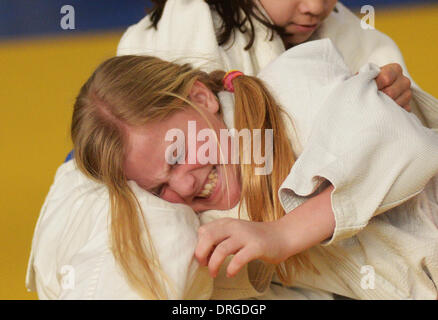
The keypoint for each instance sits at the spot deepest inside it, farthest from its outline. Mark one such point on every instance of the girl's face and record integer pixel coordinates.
(200, 186)
(299, 18)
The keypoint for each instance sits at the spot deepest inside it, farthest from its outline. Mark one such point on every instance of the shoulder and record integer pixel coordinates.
(358, 43)
(75, 209)
(185, 27)
(73, 230)
(130, 42)
(300, 79)
(314, 62)
(74, 215)
(304, 74)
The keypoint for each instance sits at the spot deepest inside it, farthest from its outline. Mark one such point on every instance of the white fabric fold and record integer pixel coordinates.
(73, 226)
(383, 164)
(350, 132)
(73, 232)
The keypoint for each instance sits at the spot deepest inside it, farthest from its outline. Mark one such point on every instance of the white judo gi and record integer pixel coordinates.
(370, 173)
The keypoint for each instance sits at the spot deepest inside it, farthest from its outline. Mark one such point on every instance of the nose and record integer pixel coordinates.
(313, 7)
(183, 181)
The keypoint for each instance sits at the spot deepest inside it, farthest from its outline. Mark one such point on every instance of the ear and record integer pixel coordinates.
(204, 97)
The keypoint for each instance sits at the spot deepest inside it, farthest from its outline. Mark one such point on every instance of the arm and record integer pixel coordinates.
(272, 242)
(375, 154)
(310, 223)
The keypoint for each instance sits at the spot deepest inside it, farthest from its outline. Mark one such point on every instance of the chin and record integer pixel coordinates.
(296, 39)
(230, 204)
(223, 204)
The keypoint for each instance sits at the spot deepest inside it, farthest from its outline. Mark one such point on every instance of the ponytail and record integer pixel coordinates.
(255, 108)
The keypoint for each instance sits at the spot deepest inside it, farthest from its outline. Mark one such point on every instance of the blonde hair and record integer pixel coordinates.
(131, 91)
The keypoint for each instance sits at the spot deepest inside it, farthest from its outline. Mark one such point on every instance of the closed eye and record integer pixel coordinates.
(158, 191)
(178, 160)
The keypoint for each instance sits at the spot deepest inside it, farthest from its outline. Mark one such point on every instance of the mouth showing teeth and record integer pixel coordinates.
(209, 185)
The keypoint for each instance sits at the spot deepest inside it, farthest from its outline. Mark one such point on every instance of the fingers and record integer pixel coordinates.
(242, 257)
(398, 88)
(392, 82)
(223, 250)
(209, 235)
(404, 100)
(221, 238)
(388, 75)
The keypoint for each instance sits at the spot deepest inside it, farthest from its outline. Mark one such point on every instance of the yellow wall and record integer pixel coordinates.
(416, 33)
(39, 80)
(38, 84)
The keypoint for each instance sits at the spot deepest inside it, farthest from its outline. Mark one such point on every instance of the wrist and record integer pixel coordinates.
(307, 225)
(284, 233)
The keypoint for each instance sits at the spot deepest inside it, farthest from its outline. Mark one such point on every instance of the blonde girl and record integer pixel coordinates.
(126, 95)
(120, 121)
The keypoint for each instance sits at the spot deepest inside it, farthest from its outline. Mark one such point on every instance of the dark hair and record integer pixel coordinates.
(234, 13)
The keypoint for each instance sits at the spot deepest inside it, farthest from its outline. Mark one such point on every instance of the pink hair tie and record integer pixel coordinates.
(228, 79)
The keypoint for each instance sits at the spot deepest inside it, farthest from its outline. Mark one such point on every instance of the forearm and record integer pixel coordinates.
(272, 242)
(309, 224)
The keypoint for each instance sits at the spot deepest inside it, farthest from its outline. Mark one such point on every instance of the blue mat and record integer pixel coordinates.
(20, 18)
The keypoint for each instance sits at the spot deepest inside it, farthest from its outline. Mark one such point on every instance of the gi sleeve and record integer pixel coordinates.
(375, 154)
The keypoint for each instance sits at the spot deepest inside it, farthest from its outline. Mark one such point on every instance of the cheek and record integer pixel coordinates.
(278, 11)
(134, 172)
(282, 16)
(329, 6)
(234, 183)
(130, 172)
(171, 196)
